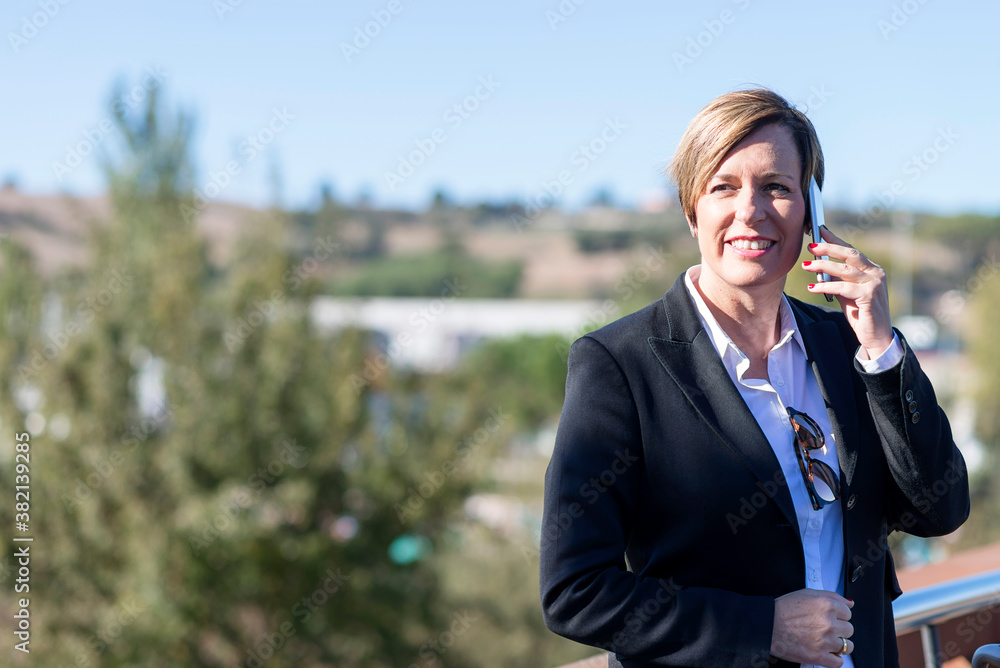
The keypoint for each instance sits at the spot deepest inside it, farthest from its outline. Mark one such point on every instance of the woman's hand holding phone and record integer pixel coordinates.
(861, 287)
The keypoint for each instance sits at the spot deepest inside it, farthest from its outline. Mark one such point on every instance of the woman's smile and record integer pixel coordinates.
(750, 246)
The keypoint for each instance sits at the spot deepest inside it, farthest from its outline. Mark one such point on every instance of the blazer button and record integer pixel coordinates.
(909, 395)
(915, 418)
(851, 501)
(856, 574)
(913, 406)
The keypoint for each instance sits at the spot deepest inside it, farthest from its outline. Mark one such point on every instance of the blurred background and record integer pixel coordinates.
(286, 292)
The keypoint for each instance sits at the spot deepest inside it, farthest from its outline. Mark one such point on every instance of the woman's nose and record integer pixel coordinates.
(748, 207)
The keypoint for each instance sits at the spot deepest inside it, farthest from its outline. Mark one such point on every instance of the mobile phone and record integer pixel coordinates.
(816, 216)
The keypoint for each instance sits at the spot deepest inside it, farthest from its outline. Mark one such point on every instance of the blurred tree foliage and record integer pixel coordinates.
(984, 294)
(208, 489)
(528, 368)
(600, 241)
(969, 232)
(424, 275)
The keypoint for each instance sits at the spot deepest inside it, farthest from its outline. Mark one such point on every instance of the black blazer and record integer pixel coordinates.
(668, 530)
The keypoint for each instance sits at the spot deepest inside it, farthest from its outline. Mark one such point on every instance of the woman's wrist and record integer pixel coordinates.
(876, 349)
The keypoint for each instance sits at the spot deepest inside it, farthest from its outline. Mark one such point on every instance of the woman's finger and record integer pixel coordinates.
(836, 249)
(839, 649)
(839, 270)
(847, 254)
(829, 236)
(851, 290)
(845, 629)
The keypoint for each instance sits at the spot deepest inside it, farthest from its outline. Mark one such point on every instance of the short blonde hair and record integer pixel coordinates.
(725, 122)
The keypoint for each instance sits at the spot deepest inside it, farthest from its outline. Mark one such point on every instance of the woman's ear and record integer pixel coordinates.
(693, 227)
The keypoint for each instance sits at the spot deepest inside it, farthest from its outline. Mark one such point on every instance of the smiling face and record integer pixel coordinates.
(750, 219)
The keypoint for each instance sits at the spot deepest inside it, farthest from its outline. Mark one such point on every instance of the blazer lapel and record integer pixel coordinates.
(824, 347)
(690, 359)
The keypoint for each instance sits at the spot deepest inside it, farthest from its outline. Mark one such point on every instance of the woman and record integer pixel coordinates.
(730, 460)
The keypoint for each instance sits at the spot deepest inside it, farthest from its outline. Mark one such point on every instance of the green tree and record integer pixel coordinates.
(210, 488)
(984, 292)
(448, 272)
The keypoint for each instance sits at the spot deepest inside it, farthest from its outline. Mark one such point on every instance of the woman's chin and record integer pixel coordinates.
(754, 279)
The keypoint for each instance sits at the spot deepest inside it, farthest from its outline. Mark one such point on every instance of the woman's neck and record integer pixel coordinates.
(749, 316)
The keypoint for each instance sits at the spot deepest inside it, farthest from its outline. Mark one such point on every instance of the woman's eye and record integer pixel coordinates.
(778, 188)
(720, 187)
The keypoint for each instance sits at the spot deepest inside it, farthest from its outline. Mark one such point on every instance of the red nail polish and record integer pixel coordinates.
(806, 263)
(811, 286)
(811, 246)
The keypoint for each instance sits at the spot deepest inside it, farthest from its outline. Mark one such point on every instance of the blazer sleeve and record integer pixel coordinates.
(927, 478)
(591, 501)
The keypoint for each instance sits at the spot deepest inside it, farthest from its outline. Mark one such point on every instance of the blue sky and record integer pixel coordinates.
(884, 82)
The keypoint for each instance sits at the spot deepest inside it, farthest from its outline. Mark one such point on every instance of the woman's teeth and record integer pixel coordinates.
(746, 244)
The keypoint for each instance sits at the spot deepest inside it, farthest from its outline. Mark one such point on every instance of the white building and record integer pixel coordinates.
(431, 334)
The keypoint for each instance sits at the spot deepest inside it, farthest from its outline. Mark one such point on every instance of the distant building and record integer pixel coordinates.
(432, 334)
